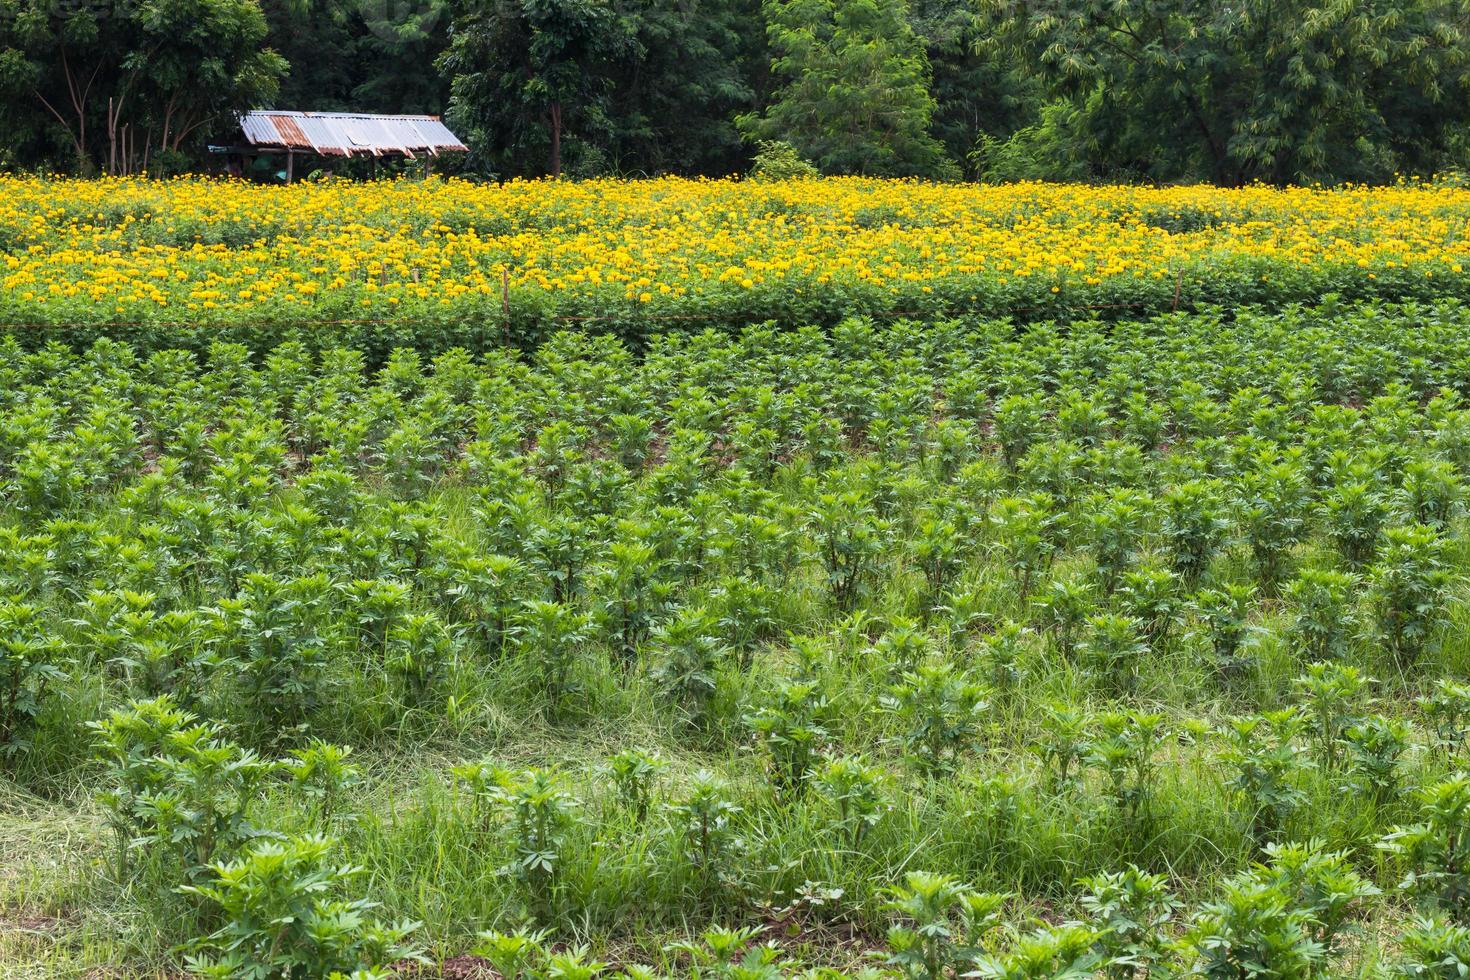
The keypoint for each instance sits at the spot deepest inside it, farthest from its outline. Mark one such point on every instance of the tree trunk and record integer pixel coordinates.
(78, 139)
(555, 140)
(78, 94)
(117, 150)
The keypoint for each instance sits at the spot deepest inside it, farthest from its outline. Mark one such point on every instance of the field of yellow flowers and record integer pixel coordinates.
(453, 261)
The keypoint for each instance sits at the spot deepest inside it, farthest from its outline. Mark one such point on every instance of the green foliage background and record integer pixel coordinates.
(1160, 90)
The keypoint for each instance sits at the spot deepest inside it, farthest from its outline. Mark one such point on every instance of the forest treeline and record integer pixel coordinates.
(1156, 90)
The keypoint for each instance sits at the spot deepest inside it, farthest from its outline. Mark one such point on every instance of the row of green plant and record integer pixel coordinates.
(529, 319)
(627, 645)
(180, 794)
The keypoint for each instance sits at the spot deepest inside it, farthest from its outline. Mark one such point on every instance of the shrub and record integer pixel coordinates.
(275, 636)
(1409, 590)
(1065, 745)
(1023, 529)
(1435, 853)
(1323, 622)
(1266, 759)
(420, 653)
(539, 815)
(1194, 527)
(1433, 949)
(687, 672)
(1131, 912)
(633, 773)
(723, 952)
(855, 794)
(176, 786)
(1125, 750)
(1112, 649)
(778, 160)
(1063, 607)
(1354, 514)
(551, 637)
(999, 656)
(1322, 882)
(1375, 748)
(1065, 951)
(941, 927)
(31, 661)
(790, 725)
(705, 825)
(1116, 524)
(282, 917)
(1253, 930)
(1431, 492)
(1331, 696)
(851, 539)
(1225, 612)
(1271, 512)
(1448, 713)
(513, 954)
(940, 710)
(1016, 426)
(321, 773)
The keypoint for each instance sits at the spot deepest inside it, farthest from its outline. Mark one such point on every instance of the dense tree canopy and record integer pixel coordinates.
(652, 87)
(976, 96)
(529, 72)
(1158, 90)
(361, 55)
(120, 85)
(1273, 90)
(855, 93)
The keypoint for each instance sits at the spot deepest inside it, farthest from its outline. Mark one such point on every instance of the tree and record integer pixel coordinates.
(696, 64)
(193, 63)
(55, 65)
(856, 96)
(1300, 90)
(361, 55)
(978, 96)
(542, 83)
(531, 70)
(120, 84)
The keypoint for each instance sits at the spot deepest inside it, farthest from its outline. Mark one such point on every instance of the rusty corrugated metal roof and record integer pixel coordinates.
(317, 134)
(348, 133)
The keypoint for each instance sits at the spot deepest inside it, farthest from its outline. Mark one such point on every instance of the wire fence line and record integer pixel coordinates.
(558, 318)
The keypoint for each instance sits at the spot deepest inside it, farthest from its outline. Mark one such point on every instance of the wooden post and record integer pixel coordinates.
(290, 166)
(505, 305)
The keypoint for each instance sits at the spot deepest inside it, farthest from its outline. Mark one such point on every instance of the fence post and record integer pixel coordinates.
(505, 305)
